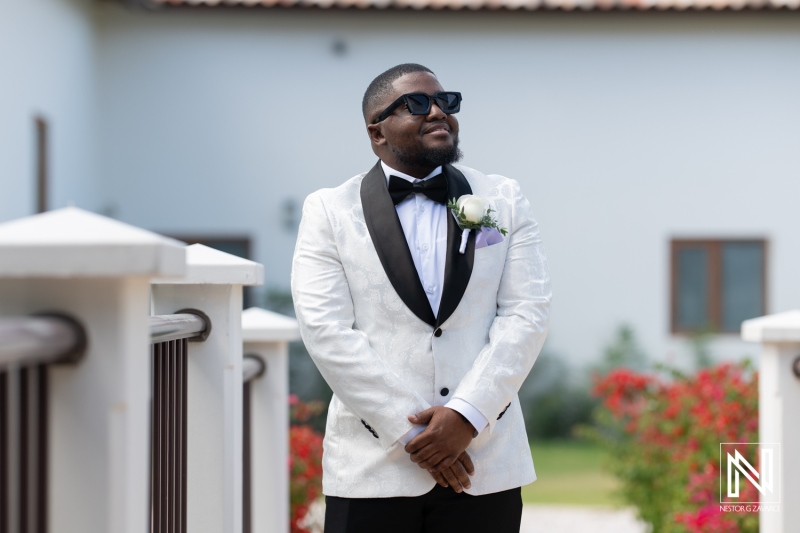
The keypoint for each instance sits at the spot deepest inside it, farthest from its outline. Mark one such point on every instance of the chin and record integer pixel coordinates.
(439, 147)
(430, 154)
(439, 143)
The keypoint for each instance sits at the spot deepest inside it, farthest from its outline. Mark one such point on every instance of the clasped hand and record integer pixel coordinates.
(441, 447)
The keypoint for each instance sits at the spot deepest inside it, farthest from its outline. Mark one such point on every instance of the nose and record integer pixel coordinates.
(435, 113)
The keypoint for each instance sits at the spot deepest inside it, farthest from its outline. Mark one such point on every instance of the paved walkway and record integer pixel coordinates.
(567, 519)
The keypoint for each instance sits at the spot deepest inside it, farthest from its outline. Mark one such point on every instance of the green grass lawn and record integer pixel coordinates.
(570, 473)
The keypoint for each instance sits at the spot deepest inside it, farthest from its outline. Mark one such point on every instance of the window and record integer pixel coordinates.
(717, 284)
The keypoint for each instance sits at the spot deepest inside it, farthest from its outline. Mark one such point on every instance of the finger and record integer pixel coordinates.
(423, 417)
(466, 460)
(439, 461)
(423, 454)
(452, 479)
(418, 442)
(439, 478)
(461, 474)
(434, 460)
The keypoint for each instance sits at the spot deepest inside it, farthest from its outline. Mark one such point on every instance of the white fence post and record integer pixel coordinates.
(778, 408)
(267, 335)
(213, 284)
(98, 271)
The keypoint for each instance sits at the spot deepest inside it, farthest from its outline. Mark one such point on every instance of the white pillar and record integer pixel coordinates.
(267, 335)
(98, 271)
(213, 284)
(779, 408)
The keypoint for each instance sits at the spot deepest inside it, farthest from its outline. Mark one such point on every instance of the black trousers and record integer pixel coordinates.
(442, 510)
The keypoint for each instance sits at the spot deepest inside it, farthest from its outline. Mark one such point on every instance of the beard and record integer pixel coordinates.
(428, 157)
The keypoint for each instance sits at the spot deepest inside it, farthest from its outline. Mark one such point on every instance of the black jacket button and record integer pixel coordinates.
(438, 332)
(445, 391)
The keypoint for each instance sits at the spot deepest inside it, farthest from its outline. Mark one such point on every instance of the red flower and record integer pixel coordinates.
(305, 462)
(664, 438)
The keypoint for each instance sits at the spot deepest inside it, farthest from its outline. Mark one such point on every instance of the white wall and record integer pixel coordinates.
(46, 69)
(629, 129)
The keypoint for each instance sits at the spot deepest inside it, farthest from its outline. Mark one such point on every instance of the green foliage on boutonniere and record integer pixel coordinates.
(473, 212)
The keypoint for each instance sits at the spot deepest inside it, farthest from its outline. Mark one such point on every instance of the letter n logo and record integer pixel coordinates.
(763, 477)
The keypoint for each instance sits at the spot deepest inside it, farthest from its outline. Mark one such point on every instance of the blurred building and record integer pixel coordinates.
(657, 141)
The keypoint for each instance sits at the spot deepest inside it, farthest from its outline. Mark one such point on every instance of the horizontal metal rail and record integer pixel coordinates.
(252, 367)
(40, 339)
(185, 324)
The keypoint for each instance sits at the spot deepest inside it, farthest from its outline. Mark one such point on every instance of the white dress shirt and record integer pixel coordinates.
(424, 224)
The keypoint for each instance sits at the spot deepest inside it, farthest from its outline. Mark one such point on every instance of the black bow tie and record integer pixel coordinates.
(434, 188)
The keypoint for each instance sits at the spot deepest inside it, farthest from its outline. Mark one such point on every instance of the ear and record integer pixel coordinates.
(375, 132)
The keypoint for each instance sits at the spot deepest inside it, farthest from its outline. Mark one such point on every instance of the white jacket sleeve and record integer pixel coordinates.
(520, 326)
(358, 376)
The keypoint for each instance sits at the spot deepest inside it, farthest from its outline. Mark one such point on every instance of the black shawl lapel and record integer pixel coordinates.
(390, 244)
(458, 266)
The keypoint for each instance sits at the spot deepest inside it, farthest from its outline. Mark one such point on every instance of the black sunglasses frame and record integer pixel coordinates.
(439, 97)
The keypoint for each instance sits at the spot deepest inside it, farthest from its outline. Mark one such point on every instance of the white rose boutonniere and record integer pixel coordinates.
(473, 213)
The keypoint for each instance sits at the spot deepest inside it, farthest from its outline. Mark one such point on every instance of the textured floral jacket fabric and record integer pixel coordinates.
(384, 362)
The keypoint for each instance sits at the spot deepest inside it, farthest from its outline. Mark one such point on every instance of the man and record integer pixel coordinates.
(425, 343)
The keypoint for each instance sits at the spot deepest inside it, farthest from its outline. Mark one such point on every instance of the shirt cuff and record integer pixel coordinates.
(466, 409)
(411, 433)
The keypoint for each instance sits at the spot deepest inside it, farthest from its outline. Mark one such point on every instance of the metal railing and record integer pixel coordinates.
(253, 366)
(170, 335)
(27, 345)
(40, 339)
(185, 324)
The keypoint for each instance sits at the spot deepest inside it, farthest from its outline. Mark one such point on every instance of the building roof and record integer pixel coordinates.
(530, 5)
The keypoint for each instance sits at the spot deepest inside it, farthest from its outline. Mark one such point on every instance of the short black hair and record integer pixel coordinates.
(382, 85)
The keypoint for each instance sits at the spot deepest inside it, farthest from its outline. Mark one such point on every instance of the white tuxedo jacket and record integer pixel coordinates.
(368, 325)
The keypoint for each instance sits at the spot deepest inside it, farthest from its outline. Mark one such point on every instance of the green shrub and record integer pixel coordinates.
(663, 438)
(555, 400)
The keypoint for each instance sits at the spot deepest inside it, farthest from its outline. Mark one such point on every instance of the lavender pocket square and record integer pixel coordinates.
(488, 237)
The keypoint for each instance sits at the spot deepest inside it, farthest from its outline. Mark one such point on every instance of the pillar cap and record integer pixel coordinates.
(260, 325)
(71, 242)
(207, 266)
(780, 327)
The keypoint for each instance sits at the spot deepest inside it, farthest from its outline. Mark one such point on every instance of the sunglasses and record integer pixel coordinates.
(420, 104)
